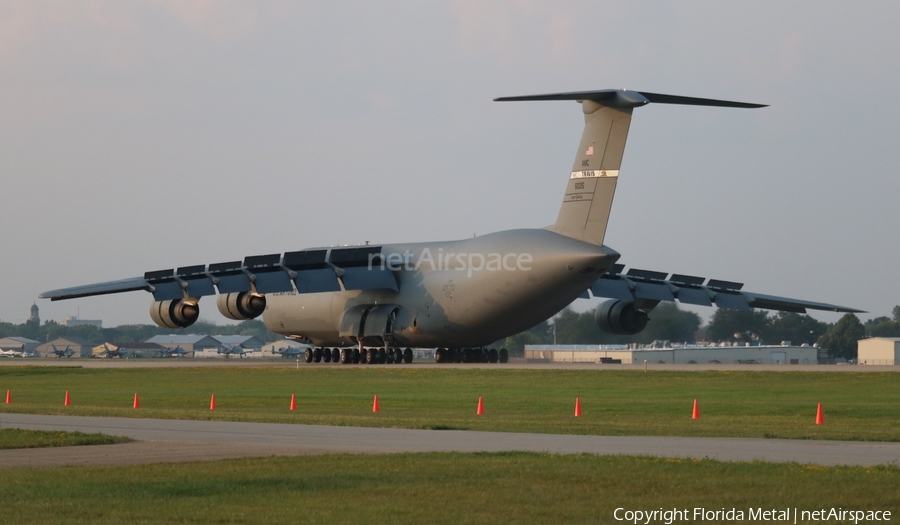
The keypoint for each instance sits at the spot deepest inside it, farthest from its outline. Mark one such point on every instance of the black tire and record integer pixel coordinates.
(308, 355)
(492, 355)
(346, 356)
(389, 356)
(317, 355)
(336, 355)
(440, 355)
(407, 356)
(504, 356)
(483, 355)
(354, 356)
(382, 358)
(371, 356)
(398, 356)
(326, 355)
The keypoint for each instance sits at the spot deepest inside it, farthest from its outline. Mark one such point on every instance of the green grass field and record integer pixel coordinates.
(857, 406)
(520, 488)
(21, 438)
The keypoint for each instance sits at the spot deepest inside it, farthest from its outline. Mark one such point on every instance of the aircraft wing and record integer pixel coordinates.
(307, 271)
(124, 285)
(658, 286)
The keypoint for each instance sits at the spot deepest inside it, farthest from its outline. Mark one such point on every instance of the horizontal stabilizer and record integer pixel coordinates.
(631, 99)
(654, 286)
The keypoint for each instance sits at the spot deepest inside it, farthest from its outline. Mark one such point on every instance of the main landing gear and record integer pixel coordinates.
(471, 355)
(368, 356)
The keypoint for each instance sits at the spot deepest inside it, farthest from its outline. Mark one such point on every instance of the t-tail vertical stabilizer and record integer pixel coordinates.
(584, 213)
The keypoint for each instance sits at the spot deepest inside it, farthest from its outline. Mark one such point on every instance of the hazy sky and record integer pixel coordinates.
(151, 134)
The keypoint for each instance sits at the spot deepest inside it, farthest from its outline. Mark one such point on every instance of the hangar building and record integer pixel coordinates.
(129, 350)
(878, 351)
(192, 344)
(674, 354)
(79, 347)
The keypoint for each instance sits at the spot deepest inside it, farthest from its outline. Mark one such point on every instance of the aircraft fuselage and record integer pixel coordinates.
(465, 293)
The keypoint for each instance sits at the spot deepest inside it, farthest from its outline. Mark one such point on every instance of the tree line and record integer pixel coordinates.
(670, 323)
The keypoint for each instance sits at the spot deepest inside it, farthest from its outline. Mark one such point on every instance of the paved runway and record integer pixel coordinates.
(162, 440)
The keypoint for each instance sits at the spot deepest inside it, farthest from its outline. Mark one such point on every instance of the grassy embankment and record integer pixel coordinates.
(21, 438)
(520, 488)
(858, 406)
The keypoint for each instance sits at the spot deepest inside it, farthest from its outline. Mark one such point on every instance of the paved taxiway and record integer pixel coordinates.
(162, 440)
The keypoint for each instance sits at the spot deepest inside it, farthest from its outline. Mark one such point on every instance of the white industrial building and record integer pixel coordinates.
(674, 354)
(878, 351)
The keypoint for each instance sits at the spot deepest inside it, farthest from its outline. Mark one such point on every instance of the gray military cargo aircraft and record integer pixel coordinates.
(456, 296)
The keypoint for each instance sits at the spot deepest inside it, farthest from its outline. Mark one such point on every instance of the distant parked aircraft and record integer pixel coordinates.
(178, 351)
(10, 352)
(68, 352)
(290, 351)
(108, 353)
(229, 350)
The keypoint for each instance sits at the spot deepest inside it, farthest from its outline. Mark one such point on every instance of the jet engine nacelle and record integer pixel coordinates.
(620, 317)
(176, 313)
(241, 306)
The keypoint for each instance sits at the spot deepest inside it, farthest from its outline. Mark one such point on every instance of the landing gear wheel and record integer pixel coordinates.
(504, 356)
(440, 355)
(354, 356)
(308, 355)
(381, 356)
(335, 354)
(371, 356)
(346, 356)
(326, 355)
(398, 356)
(407, 356)
(317, 355)
(483, 355)
(389, 356)
(492, 355)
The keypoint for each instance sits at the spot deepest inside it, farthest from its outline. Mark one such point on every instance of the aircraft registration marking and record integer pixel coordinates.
(590, 174)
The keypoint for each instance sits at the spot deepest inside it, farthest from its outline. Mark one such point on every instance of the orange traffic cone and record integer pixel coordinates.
(293, 402)
(480, 411)
(577, 407)
(212, 402)
(375, 405)
(137, 403)
(8, 398)
(820, 419)
(696, 414)
(68, 401)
